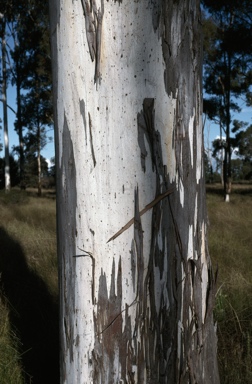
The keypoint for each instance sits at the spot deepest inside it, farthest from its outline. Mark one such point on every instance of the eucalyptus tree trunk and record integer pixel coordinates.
(136, 283)
(19, 125)
(39, 159)
(5, 113)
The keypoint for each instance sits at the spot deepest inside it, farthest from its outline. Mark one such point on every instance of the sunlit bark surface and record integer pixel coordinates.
(136, 299)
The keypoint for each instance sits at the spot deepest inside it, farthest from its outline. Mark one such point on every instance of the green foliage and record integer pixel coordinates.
(230, 245)
(31, 169)
(241, 170)
(243, 141)
(227, 67)
(30, 72)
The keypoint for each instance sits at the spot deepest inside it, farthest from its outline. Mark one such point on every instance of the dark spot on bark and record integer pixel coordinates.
(77, 340)
(133, 263)
(91, 139)
(93, 232)
(83, 114)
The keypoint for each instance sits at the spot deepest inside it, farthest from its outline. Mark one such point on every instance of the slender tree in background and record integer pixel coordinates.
(135, 305)
(37, 109)
(33, 67)
(4, 100)
(16, 55)
(30, 70)
(227, 68)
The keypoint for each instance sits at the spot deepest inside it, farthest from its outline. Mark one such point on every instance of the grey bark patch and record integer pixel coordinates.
(83, 114)
(141, 143)
(93, 21)
(183, 284)
(146, 128)
(108, 326)
(156, 13)
(197, 361)
(133, 263)
(66, 211)
(91, 139)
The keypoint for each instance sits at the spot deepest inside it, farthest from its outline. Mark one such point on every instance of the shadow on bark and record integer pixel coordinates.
(33, 314)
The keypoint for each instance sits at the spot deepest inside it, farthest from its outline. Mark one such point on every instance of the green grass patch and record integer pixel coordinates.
(29, 289)
(10, 357)
(230, 244)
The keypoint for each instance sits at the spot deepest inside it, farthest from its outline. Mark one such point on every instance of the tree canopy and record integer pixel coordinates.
(227, 68)
(29, 70)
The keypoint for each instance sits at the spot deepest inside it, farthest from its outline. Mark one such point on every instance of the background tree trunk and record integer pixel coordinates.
(39, 159)
(5, 112)
(127, 84)
(19, 127)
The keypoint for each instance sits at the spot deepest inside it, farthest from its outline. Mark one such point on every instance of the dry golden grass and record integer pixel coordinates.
(29, 288)
(10, 359)
(230, 244)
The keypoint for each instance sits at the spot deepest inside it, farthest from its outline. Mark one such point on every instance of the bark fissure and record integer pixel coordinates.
(91, 139)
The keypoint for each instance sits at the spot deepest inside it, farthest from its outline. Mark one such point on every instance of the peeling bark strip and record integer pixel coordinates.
(93, 19)
(144, 210)
(91, 139)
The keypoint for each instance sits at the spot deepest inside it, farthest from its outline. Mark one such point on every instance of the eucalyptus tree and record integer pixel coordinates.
(33, 78)
(30, 70)
(136, 282)
(4, 101)
(11, 11)
(227, 67)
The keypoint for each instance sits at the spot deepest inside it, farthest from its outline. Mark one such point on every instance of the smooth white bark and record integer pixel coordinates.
(125, 135)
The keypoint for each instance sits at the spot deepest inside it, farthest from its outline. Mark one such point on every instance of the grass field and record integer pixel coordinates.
(29, 297)
(28, 302)
(230, 244)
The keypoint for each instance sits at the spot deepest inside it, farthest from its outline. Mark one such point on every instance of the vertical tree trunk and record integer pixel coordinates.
(228, 149)
(5, 112)
(136, 305)
(39, 160)
(19, 127)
